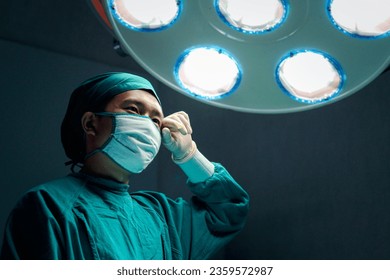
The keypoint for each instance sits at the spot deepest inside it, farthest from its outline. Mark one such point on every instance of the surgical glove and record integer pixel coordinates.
(176, 136)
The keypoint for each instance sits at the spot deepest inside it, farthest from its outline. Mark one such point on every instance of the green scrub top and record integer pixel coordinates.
(85, 217)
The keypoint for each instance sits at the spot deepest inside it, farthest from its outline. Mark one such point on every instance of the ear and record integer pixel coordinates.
(88, 123)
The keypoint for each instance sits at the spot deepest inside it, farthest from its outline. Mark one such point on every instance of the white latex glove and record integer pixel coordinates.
(176, 135)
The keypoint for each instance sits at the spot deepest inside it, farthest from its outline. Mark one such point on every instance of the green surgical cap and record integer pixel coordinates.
(92, 96)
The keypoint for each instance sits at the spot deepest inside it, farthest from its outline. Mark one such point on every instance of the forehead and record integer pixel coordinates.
(141, 97)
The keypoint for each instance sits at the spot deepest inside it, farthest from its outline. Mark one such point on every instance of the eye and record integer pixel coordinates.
(133, 109)
(157, 122)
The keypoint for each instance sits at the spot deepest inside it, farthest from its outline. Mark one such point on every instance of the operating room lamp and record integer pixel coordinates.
(259, 56)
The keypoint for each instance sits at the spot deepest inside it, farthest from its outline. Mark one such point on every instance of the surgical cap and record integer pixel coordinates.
(93, 96)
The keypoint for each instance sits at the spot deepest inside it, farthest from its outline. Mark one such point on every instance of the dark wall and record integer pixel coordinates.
(319, 180)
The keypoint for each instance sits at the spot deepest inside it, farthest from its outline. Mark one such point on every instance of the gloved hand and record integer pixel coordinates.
(176, 135)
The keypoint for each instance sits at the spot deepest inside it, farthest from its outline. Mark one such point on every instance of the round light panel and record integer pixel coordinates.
(207, 72)
(363, 18)
(310, 76)
(146, 15)
(252, 16)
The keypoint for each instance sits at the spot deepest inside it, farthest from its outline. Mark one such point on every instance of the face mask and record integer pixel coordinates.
(134, 142)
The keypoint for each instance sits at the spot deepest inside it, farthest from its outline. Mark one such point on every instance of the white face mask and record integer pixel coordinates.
(134, 141)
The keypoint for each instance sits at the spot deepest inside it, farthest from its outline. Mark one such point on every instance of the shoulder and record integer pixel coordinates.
(56, 194)
(63, 187)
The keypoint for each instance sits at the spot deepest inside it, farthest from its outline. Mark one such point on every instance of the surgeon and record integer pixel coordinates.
(113, 128)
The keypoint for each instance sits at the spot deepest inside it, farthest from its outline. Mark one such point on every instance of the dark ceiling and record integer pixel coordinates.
(64, 26)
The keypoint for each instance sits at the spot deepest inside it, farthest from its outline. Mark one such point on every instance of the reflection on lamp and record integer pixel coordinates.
(146, 15)
(310, 76)
(252, 16)
(361, 18)
(207, 72)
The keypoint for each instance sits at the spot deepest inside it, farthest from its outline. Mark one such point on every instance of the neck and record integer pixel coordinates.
(101, 166)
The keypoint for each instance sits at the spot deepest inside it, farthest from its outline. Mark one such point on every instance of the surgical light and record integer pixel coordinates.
(252, 16)
(310, 76)
(207, 72)
(146, 15)
(366, 18)
(280, 56)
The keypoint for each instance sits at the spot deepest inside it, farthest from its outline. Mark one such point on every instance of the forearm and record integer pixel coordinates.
(196, 166)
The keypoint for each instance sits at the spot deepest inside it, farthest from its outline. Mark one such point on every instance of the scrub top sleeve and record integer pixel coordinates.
(32, 231)
(219, 210)
(226, 201)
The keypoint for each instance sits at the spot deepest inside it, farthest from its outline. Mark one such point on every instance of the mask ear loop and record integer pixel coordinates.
(80, 165)
(104, 114)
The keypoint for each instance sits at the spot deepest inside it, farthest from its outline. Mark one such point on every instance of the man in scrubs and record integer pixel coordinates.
(113, 128)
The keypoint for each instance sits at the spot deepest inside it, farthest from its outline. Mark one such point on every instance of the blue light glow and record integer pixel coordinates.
(207, 72)
(146, 15)
(252, 17)
(360, 19)
(310, 76)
